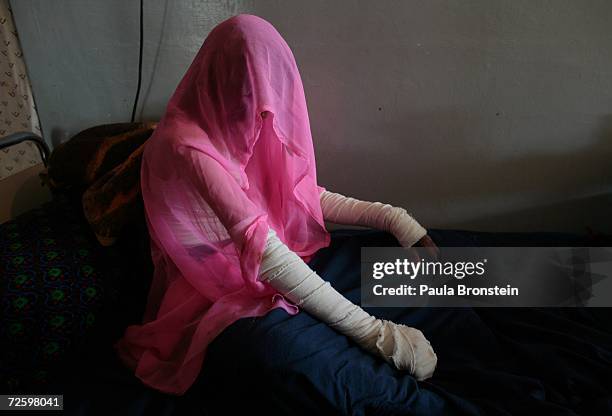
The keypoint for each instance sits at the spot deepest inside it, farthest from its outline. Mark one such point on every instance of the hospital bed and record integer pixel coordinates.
(66, 299)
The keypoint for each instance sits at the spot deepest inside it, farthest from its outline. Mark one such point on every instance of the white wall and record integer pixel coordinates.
(493, 115)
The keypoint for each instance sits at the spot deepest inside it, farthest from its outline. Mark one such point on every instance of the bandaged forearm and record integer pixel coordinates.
(404, 347)
(340, 209)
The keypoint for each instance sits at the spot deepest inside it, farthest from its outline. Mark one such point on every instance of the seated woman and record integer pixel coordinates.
(234, 213)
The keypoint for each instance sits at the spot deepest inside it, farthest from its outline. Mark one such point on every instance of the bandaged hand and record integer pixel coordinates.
(404, 347)
(340, 209)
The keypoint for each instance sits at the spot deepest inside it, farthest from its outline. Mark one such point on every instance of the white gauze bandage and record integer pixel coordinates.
(340, 209)
(404, 347)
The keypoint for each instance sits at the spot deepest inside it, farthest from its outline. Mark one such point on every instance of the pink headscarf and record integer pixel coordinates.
(215, 176)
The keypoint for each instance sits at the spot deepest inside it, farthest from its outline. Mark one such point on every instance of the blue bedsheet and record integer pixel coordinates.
(492, 361)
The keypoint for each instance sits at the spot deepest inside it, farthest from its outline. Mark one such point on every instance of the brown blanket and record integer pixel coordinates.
(103, 163)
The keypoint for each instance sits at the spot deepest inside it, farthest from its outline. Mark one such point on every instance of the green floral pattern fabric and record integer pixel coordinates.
(51, 291)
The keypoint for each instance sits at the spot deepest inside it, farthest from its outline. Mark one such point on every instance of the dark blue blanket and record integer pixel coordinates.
(492, 361)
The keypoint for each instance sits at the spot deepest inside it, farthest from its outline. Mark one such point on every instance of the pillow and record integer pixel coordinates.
(78, 162)
(102, 166)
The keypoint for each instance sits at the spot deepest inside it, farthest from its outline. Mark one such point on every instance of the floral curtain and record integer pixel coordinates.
(17, 109)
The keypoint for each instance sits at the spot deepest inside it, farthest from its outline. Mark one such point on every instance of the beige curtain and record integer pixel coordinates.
(17, 109)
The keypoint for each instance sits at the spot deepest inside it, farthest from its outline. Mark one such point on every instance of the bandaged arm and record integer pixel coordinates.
(404, 347)
(340, 209)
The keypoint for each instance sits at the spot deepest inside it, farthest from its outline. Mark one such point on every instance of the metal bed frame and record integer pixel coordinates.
(23, 136)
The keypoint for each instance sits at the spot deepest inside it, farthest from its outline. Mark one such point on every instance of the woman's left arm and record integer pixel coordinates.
(340, 209)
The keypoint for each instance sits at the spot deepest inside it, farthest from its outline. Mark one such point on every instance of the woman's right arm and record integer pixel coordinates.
(404, 347)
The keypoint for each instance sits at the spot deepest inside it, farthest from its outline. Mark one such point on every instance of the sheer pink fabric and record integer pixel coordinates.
(215, 176)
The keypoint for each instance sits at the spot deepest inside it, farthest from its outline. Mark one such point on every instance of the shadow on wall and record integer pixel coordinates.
(591, 166)
(554, 174)
(473, 175)
(580, 215)
(58, 136)
(536, 191)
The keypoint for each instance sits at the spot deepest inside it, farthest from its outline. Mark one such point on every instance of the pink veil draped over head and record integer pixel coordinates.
(215, 176)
